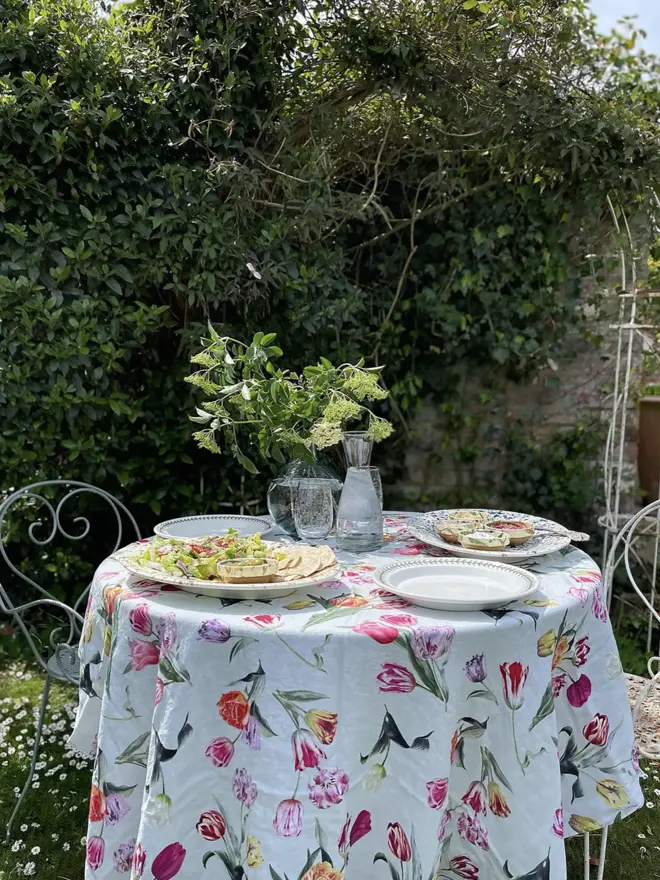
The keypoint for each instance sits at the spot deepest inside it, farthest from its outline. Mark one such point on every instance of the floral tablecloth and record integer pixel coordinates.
(339, 733)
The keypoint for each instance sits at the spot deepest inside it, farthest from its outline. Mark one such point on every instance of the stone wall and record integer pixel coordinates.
(579, 385)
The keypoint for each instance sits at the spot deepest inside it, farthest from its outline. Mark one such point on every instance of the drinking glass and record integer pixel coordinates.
(360, 513)
(313, 509)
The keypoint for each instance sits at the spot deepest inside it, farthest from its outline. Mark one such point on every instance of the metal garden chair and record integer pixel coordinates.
(639, 535)
(59, 658)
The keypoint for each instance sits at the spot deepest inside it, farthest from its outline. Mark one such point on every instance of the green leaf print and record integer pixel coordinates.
(239, 644)
(135, 752)
(546, 707)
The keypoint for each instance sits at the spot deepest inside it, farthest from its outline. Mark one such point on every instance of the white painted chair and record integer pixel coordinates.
(59, 659)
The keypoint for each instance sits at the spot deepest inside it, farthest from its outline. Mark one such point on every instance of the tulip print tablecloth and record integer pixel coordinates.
(340, 733)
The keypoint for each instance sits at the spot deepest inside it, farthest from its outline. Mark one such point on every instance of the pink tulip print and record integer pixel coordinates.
(95, 852)
(288, 821)
(328, 787)
(140, 620)
(168, 862)
(143, 654)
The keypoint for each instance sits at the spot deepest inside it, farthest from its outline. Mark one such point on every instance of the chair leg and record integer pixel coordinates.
(586, 856)
(35, 757)
(602, 854)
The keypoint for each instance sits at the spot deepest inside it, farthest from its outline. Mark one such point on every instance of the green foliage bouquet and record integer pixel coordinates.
(277, 411)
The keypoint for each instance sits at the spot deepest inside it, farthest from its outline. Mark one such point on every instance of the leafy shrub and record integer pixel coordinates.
(416, 182)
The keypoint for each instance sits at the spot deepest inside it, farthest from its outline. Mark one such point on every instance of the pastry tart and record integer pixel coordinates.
(484, 539)
(518, 531)
(450, 530)
(250, 570)
(470, 518)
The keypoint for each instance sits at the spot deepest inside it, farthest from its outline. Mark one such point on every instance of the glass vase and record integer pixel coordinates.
(282, 489)
(360, 515)
(357, 448)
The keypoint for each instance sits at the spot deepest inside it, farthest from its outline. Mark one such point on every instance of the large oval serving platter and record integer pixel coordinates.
(424, 528)
(457, 584)
(211, 525)
(217, 589)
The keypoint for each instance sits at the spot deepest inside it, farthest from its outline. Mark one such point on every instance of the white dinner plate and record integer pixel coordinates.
(211, 525)
(217, 589)
(424, 528)
(457, 584)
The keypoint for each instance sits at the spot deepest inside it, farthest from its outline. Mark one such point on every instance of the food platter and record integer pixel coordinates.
(457, 584)
(548, 537)
(299, 566)
(212, 524)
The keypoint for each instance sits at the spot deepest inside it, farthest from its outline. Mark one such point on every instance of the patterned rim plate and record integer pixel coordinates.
(271, 590)
(212, 524)
(424, 528)
(457, 584)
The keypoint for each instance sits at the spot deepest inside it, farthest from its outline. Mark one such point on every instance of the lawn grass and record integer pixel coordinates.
(47, 838)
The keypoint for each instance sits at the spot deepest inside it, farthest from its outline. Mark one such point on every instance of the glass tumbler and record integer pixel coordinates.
(313, 509)
(360, 513)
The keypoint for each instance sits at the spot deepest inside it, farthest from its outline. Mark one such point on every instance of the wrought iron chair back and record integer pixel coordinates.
(61, 663)
(63, 640)
(644, 527)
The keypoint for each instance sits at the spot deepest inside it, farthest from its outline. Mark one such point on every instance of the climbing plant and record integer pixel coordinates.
(417, 182)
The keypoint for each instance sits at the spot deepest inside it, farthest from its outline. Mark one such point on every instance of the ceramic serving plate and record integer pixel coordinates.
(457, 584)
(211, 525)
(424, 528)
(217, 589)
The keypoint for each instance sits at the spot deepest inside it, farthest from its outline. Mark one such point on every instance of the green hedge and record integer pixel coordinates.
(385, 180)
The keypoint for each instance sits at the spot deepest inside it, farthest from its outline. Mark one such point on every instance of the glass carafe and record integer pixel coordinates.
(360, 516)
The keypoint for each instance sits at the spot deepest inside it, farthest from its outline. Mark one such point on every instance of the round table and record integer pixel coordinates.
(340, 733)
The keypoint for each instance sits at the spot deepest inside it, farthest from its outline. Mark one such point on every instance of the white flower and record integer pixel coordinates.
(24, 828)
(16, 845)
(67, 846)
(641, 836)
(29, 869)
(35, 850)
(649, 805)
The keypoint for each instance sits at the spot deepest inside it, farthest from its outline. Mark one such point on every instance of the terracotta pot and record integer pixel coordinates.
(648, 447)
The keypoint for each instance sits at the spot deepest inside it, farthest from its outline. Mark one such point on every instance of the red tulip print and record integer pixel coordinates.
(212, 825)
(497, 802)
(437, 793)
(220, 751)
(168, 862)
(306, 753)
(398, 842)
(462, 867)
(396, 679)
(350, 834)
(475, 797)
(139, 859)
(323, 724)
(582, 649)
(597, 730)
(383, 633)
(514, 676)
(265, 621)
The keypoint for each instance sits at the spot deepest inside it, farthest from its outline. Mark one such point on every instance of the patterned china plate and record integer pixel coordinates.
(424, 528)
(457, 584)
(216, 589)
(211, 525)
